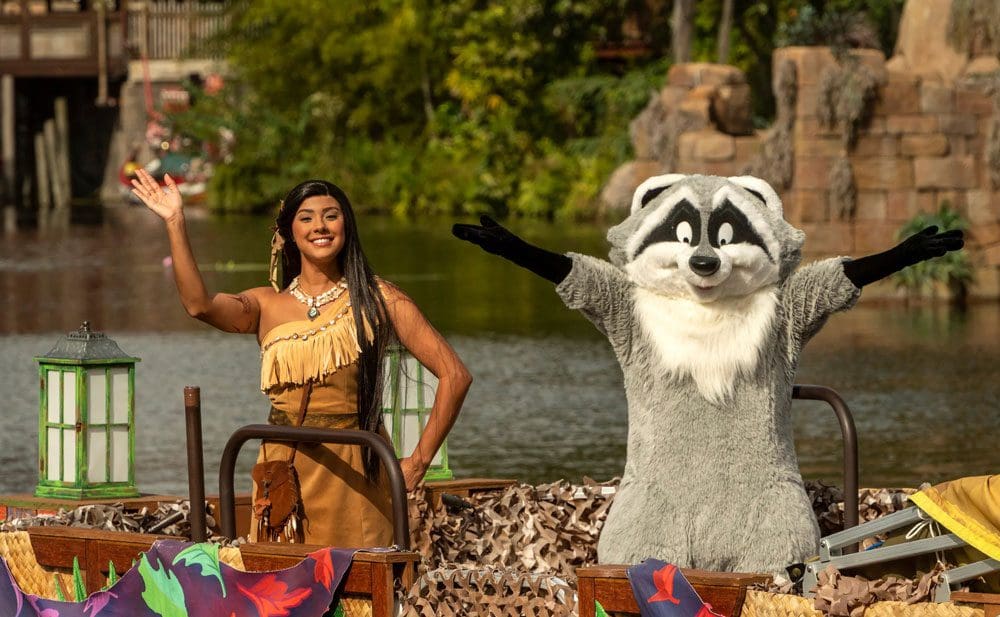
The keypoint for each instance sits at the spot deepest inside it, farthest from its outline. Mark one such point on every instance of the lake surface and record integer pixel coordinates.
(547, 402)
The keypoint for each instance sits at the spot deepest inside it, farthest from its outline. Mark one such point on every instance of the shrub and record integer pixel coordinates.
(953, 270)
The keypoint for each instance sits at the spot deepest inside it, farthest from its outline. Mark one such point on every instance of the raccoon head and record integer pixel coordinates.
(705, 237)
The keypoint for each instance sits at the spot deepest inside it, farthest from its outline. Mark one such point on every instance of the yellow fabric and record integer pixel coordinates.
(968, 508)
(299, 351)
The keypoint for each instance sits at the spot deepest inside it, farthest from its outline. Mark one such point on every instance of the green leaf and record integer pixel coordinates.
(59, 591)
(79, 589)
(112, 575)
(206, 555)
(599, 610)
(163, 594)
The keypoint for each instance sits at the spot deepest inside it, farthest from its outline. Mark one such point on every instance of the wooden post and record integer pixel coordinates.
(144, 31)
(49, 133)
(42, 180)
(7, 152)
(62, 151)
(102, 54)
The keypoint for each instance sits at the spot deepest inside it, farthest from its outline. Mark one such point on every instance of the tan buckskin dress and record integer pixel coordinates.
(341, 508)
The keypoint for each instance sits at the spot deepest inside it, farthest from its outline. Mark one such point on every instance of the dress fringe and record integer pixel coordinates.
(310, 355)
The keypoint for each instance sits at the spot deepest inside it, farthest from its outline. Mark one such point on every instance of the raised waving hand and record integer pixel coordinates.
(495, 238)
(921, 246)
(166, 201)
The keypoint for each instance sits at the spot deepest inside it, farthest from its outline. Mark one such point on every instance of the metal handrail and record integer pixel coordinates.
(227, 469)
(850, 435)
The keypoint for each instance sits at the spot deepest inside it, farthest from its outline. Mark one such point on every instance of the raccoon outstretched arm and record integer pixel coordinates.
(918, 247)
(494, 238)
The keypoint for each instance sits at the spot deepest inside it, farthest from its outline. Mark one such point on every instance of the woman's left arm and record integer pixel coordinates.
(434, 352)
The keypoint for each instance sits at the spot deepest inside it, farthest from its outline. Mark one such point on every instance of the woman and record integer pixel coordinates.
(323, 334)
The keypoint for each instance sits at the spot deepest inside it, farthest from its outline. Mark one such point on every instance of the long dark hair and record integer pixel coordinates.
(367, 302)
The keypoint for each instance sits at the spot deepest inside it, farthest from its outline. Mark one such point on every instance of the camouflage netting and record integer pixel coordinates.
(515, 551)
(172, 519)
(546, 529)
(848, 596)
(503, 552)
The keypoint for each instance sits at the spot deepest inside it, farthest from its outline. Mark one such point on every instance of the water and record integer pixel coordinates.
(547, 402)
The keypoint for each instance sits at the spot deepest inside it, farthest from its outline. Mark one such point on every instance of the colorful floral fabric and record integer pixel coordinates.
(181, 579)
(661, 590)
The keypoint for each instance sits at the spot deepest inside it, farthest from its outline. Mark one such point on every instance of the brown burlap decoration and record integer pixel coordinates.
(497, 592)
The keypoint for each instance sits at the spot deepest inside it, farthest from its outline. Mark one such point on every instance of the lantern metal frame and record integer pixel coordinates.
(81, 356)
(395, 360)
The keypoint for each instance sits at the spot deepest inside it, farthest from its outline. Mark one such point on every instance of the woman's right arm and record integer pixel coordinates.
(227, 312)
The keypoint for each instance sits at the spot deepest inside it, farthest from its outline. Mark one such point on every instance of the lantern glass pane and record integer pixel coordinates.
(430, 387)
(387, 382)
(97, 455)
(53, 387)
(97, 400)
(410, 434)
(437, 455)
(119, 395)
(53, 441)
(69, 397)
(408, 384)
(119, 454)
(387, 420)
(69, 456)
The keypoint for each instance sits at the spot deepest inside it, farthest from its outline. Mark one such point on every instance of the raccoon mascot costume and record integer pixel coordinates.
(707, 317)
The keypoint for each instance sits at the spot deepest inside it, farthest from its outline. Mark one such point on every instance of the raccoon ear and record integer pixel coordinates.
(760, 189)
(652, 187)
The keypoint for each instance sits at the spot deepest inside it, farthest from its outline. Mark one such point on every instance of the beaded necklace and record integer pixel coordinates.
(315, 302)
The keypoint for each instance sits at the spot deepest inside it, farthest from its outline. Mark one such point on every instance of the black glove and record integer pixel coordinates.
(493, 238)
(918, 247)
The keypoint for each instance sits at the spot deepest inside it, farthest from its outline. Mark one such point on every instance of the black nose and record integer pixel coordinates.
(704, 265)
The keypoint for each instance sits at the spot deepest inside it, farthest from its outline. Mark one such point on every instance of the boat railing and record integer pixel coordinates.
(227, 469)
(850, 443)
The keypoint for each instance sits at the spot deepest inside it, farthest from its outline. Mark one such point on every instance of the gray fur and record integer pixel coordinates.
(706, 485)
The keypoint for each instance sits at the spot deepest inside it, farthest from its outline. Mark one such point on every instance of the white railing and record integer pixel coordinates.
(168, 29)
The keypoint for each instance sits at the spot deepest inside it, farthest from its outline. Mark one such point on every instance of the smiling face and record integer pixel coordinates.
(702, 237)
(318, 229)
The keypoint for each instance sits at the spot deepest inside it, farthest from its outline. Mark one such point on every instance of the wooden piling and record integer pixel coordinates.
(49, 133)
(102, 54)
(42, 181)
(62, 150)
(7, 152)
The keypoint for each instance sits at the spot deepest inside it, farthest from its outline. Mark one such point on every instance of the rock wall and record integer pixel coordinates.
(926, 139)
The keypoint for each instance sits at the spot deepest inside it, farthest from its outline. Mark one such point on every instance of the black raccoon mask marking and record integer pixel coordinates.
(729, 225)
(683, 224)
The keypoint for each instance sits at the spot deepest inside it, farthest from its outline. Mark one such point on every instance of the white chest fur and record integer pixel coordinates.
(713, 343)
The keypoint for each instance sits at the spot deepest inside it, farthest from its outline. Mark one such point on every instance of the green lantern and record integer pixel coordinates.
(406, 406)
(86, 419)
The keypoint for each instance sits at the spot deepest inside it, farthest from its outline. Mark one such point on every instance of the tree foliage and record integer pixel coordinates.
(499, 106)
